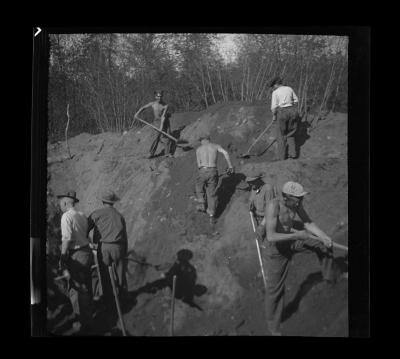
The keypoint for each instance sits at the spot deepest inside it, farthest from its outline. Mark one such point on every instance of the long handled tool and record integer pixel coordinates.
(96, 264)
(111, 273)
(164, 133)
(334, 244)
(247, 154)
(258, 251)
(171, 330)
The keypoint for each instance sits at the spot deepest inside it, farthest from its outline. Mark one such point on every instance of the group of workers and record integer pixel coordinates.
(274, 210)
(109, 243)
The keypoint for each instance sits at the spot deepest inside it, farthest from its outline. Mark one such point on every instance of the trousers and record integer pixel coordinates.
(206, 187)
(277, 264)
(107, 254)
(157, 139)
(287, 123)
(79, 265)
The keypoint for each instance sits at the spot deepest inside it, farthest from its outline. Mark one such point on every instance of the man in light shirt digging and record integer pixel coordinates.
(284, 112)
(77, 259)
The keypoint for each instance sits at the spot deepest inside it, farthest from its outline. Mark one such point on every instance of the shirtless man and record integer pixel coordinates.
(283, 241)
(161, 118)
(207, 179)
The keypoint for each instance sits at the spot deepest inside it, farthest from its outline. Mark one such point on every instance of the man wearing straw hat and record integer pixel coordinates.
(109, 231)
(76, 258)
(283, 241)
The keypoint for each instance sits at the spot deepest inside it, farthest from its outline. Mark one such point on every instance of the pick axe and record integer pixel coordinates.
(258, 251)
(164, 133)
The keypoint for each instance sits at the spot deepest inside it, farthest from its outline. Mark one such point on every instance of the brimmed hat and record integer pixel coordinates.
(255, 176)
(204, 136)
(109, 197)
(275, 80)
(293, 189)
(69, 194)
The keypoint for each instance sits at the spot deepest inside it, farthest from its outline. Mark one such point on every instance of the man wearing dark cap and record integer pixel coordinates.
(207, 180)
(261, 193)
(76, 258)
(109, 232)
(284, 112)
(162, 120)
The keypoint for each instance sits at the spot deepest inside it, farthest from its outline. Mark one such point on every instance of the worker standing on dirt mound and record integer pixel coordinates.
(109, 231)
(76, 258)
(161, 119)
(283, 241)
(284, 113)
(207, 180)
(261, 193)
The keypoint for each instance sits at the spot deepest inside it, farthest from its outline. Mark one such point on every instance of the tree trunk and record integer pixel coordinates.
(211, 87)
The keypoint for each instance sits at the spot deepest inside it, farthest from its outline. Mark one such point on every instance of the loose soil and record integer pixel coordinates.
(157, 203)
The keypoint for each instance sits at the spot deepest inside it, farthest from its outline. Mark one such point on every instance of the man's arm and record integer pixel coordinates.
(226, 155)
(271, 222)
(314, 229)
(66, 235)
(142, 108)
(295, 99)
(125, 234)
(198, 157)
(274, 106)
(311, 227)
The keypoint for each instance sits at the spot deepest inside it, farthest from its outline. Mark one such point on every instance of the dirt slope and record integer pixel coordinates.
(161, 220)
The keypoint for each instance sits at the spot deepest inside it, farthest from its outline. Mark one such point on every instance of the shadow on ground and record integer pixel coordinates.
(225, 191)
(301, 135)
(186, 287)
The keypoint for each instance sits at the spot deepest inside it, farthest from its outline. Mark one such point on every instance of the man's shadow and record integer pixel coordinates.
(305, 287)
(225, 191)
(301, 134)
(185, 286)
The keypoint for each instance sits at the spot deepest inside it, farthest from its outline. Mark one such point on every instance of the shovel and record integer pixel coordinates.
(247, 154)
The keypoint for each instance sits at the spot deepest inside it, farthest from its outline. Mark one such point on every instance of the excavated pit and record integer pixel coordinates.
(157, 203)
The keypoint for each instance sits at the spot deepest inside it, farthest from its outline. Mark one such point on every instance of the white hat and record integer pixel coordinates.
(293, 189)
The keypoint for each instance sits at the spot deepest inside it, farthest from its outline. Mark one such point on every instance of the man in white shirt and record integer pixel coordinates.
(76, 258)
(284, 111)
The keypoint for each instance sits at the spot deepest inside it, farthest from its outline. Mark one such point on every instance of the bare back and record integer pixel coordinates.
(207, 155)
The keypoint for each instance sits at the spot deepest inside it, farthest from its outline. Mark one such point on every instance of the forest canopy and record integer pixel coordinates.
(104, 79)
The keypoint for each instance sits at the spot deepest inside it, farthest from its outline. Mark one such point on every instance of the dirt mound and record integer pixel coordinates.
(157, 202)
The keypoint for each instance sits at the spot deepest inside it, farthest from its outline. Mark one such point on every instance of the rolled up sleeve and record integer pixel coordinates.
(295, 99)
(66, 232)
(274, 101)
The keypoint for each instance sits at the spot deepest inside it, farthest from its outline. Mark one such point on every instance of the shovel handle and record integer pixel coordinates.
(157, 129)
(261, 134)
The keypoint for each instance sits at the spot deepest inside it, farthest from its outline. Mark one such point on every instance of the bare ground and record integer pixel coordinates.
(156, 200)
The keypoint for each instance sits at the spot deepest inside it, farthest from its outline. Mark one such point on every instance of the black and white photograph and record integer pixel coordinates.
(197, 184)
